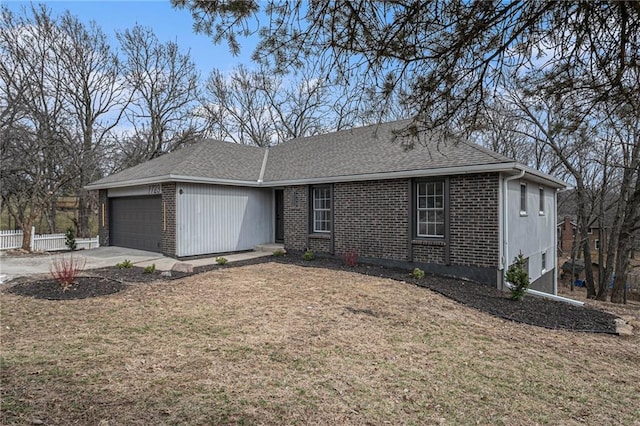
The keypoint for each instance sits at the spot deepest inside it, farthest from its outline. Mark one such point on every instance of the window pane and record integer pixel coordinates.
(430, 209)
(321, 209)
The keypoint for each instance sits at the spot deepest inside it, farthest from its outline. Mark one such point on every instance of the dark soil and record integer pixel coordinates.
(531, 310)
(94, 283)
(83, 288)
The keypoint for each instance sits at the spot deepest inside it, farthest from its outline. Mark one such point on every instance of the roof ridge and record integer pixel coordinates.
(494, 155)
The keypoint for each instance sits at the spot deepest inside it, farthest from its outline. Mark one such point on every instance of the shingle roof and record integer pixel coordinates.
(207, 159)
(372, 149)
(359, 154)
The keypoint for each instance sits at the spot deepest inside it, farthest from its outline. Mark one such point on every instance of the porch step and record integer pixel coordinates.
(269, 247)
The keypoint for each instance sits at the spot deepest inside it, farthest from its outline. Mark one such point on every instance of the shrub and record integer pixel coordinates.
(518, 277)
(308, 255)
(278, 253)
(65, 270)
(70, 239)
(417, 273)
(125, 264)
(221, 260)
(350, 258)
(150, 269)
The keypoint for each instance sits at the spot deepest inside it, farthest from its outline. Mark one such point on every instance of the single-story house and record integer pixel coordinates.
(418, 201)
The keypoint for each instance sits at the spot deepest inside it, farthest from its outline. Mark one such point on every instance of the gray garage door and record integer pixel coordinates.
(136, 222)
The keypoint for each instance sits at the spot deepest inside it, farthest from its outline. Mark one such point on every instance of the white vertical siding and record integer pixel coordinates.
(534, 233)
(218, 219)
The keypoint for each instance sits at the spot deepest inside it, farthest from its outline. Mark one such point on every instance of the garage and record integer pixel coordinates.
(136, 222)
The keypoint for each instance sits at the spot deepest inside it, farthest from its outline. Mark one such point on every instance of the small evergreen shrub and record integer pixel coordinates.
(308, 255)
(417, 273)
(125, 264)
(221, 260)
(278, 253)
(70, 239)
(518, 277)
(150, 269)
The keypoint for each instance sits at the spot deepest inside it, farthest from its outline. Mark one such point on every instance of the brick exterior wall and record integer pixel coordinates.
(429, 252)
(169, 219)
(372, 218)
(296, 217)
(474, 216)
(103, 222)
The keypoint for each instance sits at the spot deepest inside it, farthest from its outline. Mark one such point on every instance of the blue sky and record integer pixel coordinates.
(168, 23)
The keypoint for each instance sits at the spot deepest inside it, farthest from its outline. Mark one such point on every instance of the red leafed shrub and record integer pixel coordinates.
(65, 270)
(350, 258)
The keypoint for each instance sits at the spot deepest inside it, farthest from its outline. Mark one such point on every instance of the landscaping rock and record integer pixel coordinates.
(183, 267)
(166, 274)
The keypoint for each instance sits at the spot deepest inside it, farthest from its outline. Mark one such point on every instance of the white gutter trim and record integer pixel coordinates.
(441, 171)
(511, 167)
(264, 165)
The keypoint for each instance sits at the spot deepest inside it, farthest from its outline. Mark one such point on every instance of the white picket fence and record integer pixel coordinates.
(43, 242)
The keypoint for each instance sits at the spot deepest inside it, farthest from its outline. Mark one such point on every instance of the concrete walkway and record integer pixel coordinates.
(12, 267)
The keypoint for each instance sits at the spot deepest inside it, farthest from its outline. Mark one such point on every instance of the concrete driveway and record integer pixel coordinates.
(12, 267)
(20, 266)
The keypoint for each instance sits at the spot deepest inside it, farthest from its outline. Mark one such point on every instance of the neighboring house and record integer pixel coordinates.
(449, 208)
(568, 228)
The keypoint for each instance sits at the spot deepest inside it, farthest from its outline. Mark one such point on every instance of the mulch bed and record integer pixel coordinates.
(83, 288)
(532, 310)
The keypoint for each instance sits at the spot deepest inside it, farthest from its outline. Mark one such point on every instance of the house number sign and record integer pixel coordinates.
(155, 189)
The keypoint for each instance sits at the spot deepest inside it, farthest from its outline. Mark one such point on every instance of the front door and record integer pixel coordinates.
(279, 198)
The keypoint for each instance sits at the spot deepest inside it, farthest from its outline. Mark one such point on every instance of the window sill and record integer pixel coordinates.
(541, 213)
(429, 242)
(321, 235)
(523, 214)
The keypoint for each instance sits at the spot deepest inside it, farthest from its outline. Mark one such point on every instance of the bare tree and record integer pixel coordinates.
(164, 81)
(237, 106)
(35, 138)
(95, 97)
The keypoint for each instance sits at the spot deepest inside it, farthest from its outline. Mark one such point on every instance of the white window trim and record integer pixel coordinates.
(427, 209)
(523, 212)
(313, 201)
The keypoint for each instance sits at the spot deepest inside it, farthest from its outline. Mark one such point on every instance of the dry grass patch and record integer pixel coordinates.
(274, 344)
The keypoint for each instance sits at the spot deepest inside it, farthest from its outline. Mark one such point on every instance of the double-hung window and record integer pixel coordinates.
(430, 220)
(321, 209)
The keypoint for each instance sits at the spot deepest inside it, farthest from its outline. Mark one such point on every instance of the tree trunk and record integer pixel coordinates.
(622, 264)
(84, 207)
(583, 228)
(625, 244)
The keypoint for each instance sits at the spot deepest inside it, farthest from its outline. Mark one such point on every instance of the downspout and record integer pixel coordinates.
(555, 243)
(505, 224)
